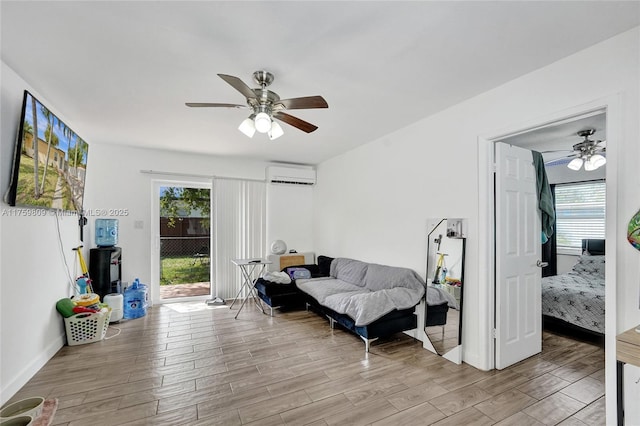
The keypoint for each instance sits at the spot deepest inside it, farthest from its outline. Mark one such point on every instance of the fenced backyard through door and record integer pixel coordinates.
(185, 242)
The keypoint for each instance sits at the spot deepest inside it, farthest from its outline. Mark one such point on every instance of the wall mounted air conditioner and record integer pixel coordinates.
(291, 175)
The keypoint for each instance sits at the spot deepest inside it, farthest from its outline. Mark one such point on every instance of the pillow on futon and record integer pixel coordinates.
(324, 265)
(298, 272)
(590, 265)
(313, 270)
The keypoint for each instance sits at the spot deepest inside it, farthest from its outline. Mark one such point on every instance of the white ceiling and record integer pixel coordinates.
(120, 72)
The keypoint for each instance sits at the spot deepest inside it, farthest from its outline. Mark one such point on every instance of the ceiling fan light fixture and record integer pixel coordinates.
(247, 127)
(262, 122)
(276, 131)
(575, 164)
(263, 103)
(597, 161)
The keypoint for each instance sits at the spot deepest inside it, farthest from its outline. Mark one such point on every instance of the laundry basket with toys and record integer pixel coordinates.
(86, 320)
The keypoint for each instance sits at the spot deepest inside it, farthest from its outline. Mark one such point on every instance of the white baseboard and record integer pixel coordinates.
(9, 389)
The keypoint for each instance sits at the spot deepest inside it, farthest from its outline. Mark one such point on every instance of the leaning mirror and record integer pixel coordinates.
(445, 284)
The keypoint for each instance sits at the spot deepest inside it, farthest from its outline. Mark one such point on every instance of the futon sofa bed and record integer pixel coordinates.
(368, 299)
(287, 295)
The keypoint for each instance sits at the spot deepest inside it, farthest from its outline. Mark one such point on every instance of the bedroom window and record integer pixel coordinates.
(580, 213)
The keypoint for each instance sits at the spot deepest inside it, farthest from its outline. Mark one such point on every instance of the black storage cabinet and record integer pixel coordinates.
(105, 270)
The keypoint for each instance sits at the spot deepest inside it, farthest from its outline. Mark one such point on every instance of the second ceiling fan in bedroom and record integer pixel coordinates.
(588, 153)
(266, 106)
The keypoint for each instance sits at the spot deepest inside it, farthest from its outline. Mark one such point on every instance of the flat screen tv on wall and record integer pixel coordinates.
(50, 161)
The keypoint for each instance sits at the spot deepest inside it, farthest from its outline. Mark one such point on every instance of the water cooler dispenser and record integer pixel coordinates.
(105, 270)
(105, 261)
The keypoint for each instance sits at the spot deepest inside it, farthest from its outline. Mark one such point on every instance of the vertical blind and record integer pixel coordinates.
(239, 230)
(580, 213)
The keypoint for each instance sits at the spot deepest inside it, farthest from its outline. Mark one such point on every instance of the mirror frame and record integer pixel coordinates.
(455, 229)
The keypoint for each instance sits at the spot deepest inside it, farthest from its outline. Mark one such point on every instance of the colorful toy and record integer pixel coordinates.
(84, 309)
(87, 299)
(65, 307)
(83, 282)
(441, 270)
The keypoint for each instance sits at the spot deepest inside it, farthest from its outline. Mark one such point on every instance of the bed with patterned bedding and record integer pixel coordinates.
(577, 297)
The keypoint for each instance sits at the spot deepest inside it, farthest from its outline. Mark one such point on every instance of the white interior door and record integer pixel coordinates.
(518, 251)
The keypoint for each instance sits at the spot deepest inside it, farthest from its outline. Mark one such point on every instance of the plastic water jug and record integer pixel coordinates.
(135, 300)
(106, 232)
(116, 303)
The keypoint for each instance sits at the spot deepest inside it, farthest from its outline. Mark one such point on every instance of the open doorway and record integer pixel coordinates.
(573, 275)
(612, 105)
(566, 299)
(568, 317)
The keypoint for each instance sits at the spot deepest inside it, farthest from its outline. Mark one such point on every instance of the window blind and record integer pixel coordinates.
(240, 229)
(580, 213)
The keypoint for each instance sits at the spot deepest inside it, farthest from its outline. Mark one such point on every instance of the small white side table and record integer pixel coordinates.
(627, 352)
(248, 268)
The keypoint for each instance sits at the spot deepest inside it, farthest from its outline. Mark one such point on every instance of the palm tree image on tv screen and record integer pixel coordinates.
(53, 164)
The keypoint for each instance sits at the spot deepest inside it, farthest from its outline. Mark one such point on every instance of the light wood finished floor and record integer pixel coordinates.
(185, 364)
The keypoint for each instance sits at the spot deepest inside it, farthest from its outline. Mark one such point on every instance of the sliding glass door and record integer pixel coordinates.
(182, 241)
(198, 227)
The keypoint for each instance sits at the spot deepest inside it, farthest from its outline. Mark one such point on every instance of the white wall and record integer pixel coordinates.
(32, 278)
(290, 216)
(115, 182)
(372, 202)
(32, 274)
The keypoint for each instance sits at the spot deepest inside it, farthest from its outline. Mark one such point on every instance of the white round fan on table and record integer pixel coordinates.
(278, 247)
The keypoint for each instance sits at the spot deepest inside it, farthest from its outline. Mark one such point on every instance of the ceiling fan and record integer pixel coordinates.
(266, 105)
(590, 153)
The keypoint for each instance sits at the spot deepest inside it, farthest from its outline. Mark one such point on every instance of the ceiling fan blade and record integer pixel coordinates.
(209, 104)
(557, 162)
(556, 150)
(295, 122)
(306, 102)
(239, 85)
(561, 160)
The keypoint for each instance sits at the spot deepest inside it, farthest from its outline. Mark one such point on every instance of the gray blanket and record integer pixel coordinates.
(577, 297)
(365, 291)
(437, 296)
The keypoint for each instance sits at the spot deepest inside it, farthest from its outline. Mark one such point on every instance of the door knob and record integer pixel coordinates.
(542, 264)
